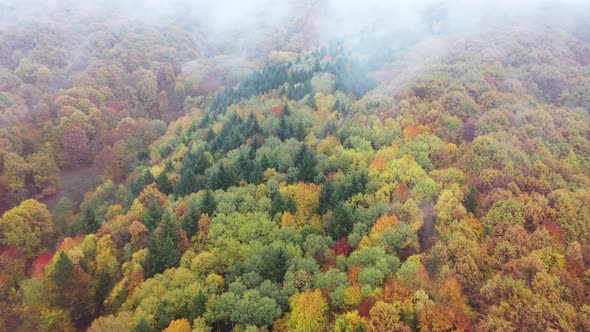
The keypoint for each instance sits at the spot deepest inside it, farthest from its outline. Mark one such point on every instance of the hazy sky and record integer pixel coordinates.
(332, 19)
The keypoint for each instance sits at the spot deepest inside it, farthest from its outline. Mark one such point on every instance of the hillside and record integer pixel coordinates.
(432, 182)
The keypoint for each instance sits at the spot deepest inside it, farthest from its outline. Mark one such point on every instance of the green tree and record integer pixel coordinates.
(90, 223)
(305, 163)
(103, 288)
(342, 221)
(196, 307)
(152, 215)
(164, 183)
(27, 226)
(189, 220)
(187, 183)
(143, 325)
(208, 204)
(328, 198)
(63, 270)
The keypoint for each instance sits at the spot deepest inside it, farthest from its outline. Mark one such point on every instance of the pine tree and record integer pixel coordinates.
(187, 183)
(358, 183)
(471, 200)
(342, 221)
(328, 198)
(286, 111)
(300, 132)
(208, 204)
(152, 215)
(223, 178)
(252, 124)
(169, 226)
(90, 223)
(285, 130)
(162, 254)
(63, 270)
(163, 183)
(189, 221)
(196, 307)
(200, 163)
(257, 174)
(103, 288)
(147, 178)
(244, 166)
(278, 204)
(276, 263)
(305, 163)
(143, 325)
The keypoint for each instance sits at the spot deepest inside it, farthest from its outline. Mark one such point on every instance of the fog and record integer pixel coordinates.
(254, 28)
(331, 19)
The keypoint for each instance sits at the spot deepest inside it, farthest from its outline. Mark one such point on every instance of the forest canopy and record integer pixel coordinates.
(185, 167)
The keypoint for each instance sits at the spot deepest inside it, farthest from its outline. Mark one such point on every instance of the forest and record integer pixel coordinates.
(163, 176)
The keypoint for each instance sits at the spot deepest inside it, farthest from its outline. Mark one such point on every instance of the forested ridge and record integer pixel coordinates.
(300, 186)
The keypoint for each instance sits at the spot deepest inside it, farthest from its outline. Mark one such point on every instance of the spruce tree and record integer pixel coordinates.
(208, 204)
(147, 178)
(90, 223)
(244, 166)
(471, 200)
(189, 221)
(187, 182)
(284, 131)
(103, 288)
(63, 270)
(163, 183)
(342, 221)
(276, 263)
(305, 163)
(162, 254)
(278, 204)
(152, 215)
(143, 325)
(328, 198)
(196, 307)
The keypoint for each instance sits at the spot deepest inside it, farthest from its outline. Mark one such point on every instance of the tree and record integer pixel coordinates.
(74, 152)
(208, 204)
(187, 183)
(179, 325)
(328, 198)
(164, 183)
(223, 178)
(143, 325)
(276, 263)
(308, 312)
(190, 219)
(342, 221)
(285, 129)
(103, 288)
(162, 250)
(152, 215)
(196, 307)
(162, 255)
(385, 317)
(62, 270)
(45, 171)
(28, 227)
(471, 200)
(90, 223)
(244, 167)
(280, 204)
(305, 163)
(147, 178)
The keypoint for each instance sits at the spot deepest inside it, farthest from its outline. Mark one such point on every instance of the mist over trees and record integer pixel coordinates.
(295, 166)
